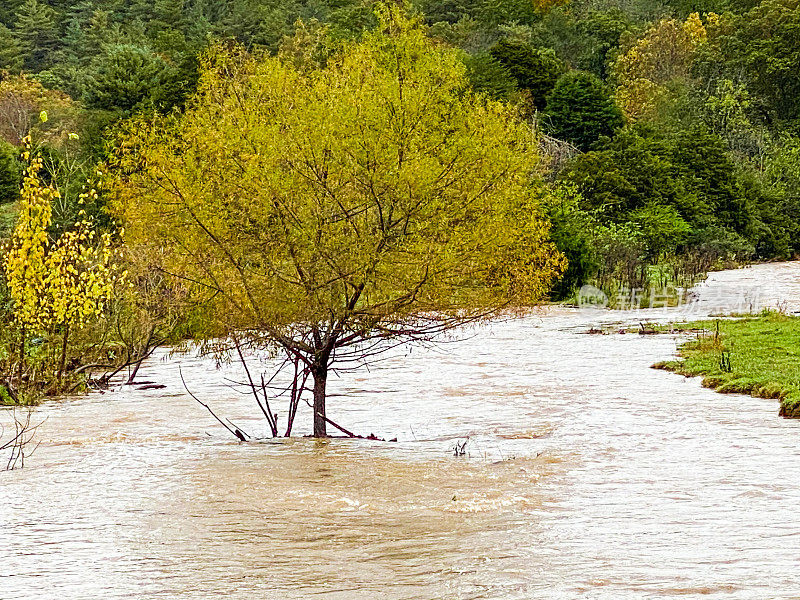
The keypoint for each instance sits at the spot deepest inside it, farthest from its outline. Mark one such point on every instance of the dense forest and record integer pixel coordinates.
(669, 132)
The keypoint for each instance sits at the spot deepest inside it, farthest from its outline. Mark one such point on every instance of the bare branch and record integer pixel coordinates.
(236, 432)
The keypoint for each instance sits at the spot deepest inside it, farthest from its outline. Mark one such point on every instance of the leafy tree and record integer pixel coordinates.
(582, 41)
(322, 212)
(495, 12)
(661, 227)
(23, 100)
(686, 7)
(580, 110)
(664, 53)
(774, 196)
(61, 284)
(726, 111)
(676, 191)
(447, 11)
(535, 70)
(601, 32)
(573, 231)
(769, 49)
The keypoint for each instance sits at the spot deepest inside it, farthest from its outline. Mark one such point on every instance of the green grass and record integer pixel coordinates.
(759, 356)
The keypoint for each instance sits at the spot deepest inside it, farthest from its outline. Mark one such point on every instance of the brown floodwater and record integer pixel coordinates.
(587, 475)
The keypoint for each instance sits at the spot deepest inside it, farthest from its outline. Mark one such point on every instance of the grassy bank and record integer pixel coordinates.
(759, 356)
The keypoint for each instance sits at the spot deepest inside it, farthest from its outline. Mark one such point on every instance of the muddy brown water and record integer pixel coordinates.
(588, 475)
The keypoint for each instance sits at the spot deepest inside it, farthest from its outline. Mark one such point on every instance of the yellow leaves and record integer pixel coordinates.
(664, 53)
(694, 28)
(544, 6)
(639, 99)
(65, 282)
(23, 102)
(284, 187)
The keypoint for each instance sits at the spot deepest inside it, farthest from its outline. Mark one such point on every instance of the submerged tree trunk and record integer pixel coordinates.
(320, 374)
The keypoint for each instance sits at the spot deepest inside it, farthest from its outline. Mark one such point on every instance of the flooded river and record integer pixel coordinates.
(588, 475)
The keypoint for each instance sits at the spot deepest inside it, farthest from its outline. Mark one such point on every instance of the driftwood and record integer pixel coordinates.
(646, 330)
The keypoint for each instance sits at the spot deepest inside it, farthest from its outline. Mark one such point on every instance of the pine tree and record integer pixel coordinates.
(10, 51)
(36, 28)
(580, 110)
(10, 172)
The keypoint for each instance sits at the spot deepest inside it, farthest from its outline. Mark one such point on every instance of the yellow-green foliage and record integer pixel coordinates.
(66, 282)
(763, 355)
(662, 54)
(361, 192)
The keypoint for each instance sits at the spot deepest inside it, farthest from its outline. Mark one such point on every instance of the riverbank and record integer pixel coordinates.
(759, 356)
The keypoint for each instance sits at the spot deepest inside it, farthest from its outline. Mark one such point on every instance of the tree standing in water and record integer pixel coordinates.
(330, 208)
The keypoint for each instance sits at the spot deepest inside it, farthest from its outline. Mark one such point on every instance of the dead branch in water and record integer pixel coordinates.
(339, 427)
(298, 387)
(235, 431)
(268, 388)
(265, 408)
(19, 444)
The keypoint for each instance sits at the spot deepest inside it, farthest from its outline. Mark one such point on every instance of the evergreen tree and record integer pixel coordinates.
(487, 75)
(710, 175)
(580, 110)
(534, 69)
(8, 9)
(10, 172)
(36, 28)
(131, 78)
(167, 15)
(87, 28)
(10, 51)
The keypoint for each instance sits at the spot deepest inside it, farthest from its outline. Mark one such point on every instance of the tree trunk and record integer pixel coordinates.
(144, 352)
(62, 363)
(21, 367)
(320, 374)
